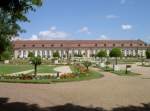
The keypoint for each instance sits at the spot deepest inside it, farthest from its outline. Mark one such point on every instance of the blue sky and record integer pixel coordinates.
(89, 19)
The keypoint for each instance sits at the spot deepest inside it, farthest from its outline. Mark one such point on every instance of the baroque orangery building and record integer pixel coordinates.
(88, 48)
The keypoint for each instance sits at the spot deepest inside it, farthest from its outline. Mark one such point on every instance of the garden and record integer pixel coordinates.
(37, 72)
(35, 69)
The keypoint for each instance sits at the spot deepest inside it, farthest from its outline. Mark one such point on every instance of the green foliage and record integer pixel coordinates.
(6, 55)
(12, 12)
(31, 54)
(87, 64)
(56, 54)
(36, 61)
(115, 52)
(101, 53)
(148, 53)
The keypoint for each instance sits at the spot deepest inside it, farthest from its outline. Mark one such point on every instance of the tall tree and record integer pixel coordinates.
(36, 61)
(101, 54)
(11, 13)
(115, 52)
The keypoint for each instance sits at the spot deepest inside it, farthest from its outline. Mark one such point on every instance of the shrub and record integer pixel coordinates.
(67, 76)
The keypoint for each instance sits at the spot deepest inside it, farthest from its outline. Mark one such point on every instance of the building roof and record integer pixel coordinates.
(19, 44)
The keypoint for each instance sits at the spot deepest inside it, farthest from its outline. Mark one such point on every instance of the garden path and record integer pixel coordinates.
(22, 72)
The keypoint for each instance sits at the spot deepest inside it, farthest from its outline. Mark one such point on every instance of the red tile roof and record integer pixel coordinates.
(78, 43)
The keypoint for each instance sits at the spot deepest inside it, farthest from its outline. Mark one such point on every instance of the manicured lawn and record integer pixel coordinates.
(45, 81)
(45, 69)
(7, 69)
(92, 74)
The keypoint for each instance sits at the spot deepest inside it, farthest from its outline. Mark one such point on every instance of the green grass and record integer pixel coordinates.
(45, 81)
(8, 69)
(45, 69)
(92, 74)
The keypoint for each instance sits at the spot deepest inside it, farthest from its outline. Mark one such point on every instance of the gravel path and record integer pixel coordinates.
(107, 92)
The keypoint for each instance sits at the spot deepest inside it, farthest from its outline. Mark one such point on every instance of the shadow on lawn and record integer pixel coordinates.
(21, 106)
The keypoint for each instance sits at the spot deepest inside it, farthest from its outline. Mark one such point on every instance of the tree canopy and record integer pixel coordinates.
(6, 55)
(115, 52)
(87, 64)
(11, 13)
(56, 54)
(101, 53)
(31, 54)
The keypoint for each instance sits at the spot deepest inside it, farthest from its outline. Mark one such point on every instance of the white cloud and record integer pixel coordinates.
(85, 30)
(112, 16)
(34, 37)
(51, 34)
(126, 26)
(122, 2)
(103, 37)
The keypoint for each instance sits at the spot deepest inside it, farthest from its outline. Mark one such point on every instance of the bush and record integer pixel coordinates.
(24, 77)
(79, 69)
(67, 76)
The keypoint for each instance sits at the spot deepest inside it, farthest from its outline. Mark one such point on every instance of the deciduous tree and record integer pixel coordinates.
(115, 52)
(11, 13)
